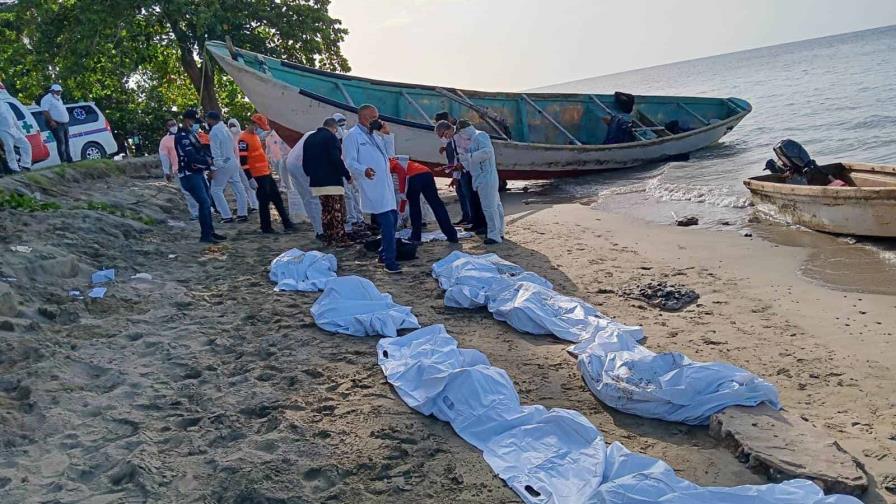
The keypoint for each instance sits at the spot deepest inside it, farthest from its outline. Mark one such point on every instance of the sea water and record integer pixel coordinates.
(835, 95)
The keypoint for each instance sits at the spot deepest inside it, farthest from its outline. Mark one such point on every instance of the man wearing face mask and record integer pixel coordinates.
(192, 163)
(253, 159)
(56, 116)
(478, 156)
(248, 184)
(354, 217)
(365, 155)
(168, 157)
(225, 170)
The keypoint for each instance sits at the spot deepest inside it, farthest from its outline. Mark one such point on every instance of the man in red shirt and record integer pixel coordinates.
(416, 180)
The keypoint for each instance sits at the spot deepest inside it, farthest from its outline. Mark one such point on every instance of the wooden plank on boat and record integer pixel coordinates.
(348, 97)
(734, 105)
(689, 111)
(416, 106)
(551, 119)
(463, 100)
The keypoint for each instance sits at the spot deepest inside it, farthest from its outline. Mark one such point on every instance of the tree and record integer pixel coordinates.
(141, 59)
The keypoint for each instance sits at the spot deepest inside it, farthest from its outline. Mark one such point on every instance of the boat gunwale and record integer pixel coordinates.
(757, 185)
(217, 47)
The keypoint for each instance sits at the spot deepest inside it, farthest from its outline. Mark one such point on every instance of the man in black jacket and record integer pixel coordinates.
(322, 162)
(193, 162)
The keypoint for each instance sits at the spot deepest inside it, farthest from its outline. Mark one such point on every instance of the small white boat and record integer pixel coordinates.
(536, 135)
(866, 207)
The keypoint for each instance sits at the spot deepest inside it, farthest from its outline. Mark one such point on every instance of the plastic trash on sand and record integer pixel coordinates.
(102, 276)
(97, 293)
(141, 276)
(545, 456)
(22, 249)
(295, 270)
(548, 456)
(353, 305)
(405, 234)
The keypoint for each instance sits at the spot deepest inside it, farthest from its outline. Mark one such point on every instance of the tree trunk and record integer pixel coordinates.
(203, 79)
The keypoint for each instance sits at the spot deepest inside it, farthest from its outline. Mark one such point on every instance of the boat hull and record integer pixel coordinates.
(296, 112)
(860, 211)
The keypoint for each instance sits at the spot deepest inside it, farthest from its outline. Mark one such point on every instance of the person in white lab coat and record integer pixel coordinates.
(477, 155)
(248, 184)
(225, 170)
(366, 158)
(302, 184)
(354, 217)
(276, 150)
(12, 135)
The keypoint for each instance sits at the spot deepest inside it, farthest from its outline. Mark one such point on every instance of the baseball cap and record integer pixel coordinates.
(55, 87)
(261, 121)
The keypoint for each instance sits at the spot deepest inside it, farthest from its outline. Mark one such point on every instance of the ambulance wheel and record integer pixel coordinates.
(93, 150)
(502, 185)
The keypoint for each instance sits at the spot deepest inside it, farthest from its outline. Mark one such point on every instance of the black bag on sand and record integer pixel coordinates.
(404, 250)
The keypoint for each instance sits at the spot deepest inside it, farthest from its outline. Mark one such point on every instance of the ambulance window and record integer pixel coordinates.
(82, 114)
(16, 111)
(40, 120)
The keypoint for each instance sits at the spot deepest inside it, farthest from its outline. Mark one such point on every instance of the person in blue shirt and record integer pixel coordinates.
(193, 161)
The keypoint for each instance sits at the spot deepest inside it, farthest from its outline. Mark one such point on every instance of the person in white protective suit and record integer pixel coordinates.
(478, 156)
(354, 218)
(12, 135)
(301, 183)
(248, 184)
(277, 150)
(226, 170)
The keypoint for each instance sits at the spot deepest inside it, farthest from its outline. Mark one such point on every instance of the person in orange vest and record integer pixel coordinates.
(254, 161)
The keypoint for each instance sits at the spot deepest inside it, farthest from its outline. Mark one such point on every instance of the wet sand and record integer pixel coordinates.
(203, 385)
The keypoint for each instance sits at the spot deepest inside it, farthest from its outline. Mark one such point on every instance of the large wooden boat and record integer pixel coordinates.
(536, 135)
(866, 207)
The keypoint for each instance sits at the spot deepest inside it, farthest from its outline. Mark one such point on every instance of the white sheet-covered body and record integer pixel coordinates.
(352, 305)
(295, 270)
(619, 371)
(547, 456)
(556, 454)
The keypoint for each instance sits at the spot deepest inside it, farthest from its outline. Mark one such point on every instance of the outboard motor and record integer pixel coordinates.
(792, 156)
(796, 160)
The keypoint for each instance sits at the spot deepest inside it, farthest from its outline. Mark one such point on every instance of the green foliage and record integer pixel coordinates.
(141, 60)
(102, 206)
(25, 203)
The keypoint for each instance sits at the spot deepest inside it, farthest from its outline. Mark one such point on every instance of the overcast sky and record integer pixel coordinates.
(520, 44)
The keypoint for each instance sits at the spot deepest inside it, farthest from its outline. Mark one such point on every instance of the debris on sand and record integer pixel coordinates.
(688, 221)
(102, 276)
(662, 295)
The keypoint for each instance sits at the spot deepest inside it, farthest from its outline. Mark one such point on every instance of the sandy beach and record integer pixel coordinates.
(204, 385)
